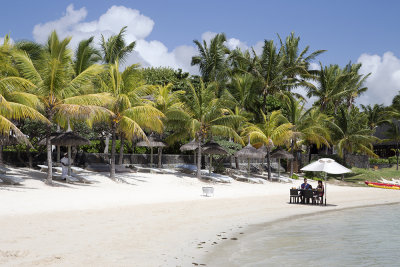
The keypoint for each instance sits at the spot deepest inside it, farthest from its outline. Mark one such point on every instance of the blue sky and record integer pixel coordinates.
(360, 31)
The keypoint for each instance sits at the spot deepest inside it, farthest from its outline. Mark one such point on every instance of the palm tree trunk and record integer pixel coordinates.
(151, 157)
(49, 179)
(121, 150)
(58, 147)
(269, 164)
(69, 160)
(199, 160)
(1, 156)
(112, 169)
(397, 156)
(159, 157)
(49, 162)
(294, 158)
(107, 143)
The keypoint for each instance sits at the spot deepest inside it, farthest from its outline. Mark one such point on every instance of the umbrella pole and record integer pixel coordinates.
(69, 160)
(248, 166)
(279, 168)
(262, 166)
(195, 157)
(325, 188)
(209, 170)
(151, 157)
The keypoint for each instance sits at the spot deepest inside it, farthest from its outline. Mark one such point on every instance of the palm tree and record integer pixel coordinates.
(243, 88)
(274, 130)
(58, 89)
(115, 48)
(212, 60)
(355, 86)
(205, 117)
(309, 126)
(331, 88)
(129, 113)
(376, 115)
(85, 56)
(352, 134)
(15, 104)
(269, 69)
(296, 62)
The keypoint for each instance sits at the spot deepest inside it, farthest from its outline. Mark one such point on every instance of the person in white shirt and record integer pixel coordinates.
(64, 164)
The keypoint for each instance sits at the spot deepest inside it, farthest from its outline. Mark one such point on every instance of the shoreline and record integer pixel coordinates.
(220, 250)
(160, 221)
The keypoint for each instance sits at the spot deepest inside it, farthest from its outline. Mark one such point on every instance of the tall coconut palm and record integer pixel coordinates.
(205, 117)
(331, 88)
(129, 113)
(115, 48)
(269, 69)
(58, 89)
(355, 85)
(212, 59)
(274, 130)
(85, 56)
(296, 61)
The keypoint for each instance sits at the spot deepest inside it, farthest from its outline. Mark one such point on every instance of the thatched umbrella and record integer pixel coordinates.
(192, 145)
(213, 148)
(69, 139)
(153, 141)
(281, 154)
(249, 152)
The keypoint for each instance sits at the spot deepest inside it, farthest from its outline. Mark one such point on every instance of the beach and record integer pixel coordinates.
(149, 220)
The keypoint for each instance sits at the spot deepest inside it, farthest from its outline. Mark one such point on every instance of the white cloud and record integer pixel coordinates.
(147, 52)
(384, 82)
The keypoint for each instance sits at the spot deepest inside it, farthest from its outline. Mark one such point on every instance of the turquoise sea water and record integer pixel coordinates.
(356, 237)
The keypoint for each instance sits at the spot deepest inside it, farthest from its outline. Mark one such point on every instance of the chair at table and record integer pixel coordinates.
(308, 194)
(294, 195)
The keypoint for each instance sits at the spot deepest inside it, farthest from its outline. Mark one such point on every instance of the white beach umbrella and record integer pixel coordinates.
(328, 166)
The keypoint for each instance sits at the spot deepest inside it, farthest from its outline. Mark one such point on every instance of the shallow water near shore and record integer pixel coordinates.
(355, 237)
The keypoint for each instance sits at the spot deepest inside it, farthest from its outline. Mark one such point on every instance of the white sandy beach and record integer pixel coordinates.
(153, 220)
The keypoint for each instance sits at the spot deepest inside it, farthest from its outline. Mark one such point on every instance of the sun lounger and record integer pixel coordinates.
(187, 168)
(7, 179)
(222, 178)
(4, 170)
(85, 180)
(68, 179)
(249, 179)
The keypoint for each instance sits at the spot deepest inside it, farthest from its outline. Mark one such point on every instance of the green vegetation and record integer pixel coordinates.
(360, 175)
(240, 96)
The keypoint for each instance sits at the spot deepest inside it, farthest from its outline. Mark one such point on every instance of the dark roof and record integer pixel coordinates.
(381, 133)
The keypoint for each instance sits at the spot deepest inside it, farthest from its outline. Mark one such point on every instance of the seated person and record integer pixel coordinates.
(306, 186)
(320, 192)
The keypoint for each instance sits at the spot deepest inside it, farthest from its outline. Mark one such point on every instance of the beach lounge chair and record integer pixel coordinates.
(81, 179)
(68, 179)
(187, 168)
(4, 170)
(253, 180)
(222, 178)
(7, 179)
